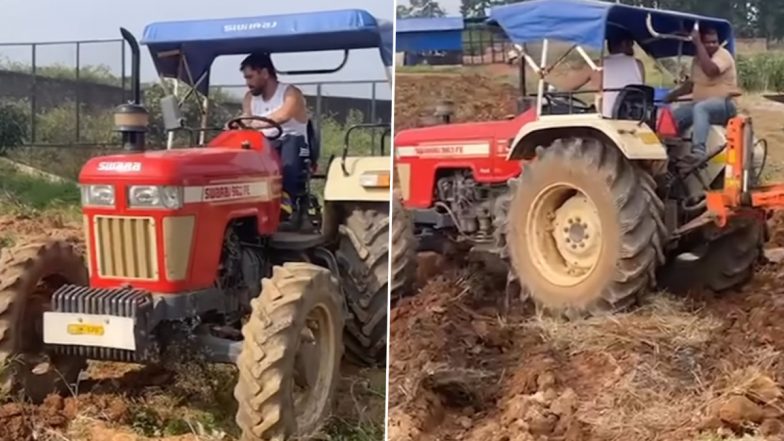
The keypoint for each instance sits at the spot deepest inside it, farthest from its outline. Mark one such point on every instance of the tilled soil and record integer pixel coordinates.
(464, 367)
(477, 97)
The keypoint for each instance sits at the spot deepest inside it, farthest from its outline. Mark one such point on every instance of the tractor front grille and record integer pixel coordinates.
(133, 303)
(126, 247)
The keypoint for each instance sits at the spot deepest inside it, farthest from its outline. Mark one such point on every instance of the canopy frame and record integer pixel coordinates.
(343, 30)
(542, 69)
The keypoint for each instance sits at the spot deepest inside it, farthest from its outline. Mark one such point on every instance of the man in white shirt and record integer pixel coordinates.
(285, 104)
(620, 69)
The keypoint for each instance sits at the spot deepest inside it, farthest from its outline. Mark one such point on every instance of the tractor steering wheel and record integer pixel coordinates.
(571, 100)
(235, 123)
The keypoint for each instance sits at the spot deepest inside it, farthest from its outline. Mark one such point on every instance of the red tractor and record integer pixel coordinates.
(589, 211)
(184, 252)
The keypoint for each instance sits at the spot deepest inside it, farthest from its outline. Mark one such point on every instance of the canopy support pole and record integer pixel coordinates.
(170, 136)
(540, 92)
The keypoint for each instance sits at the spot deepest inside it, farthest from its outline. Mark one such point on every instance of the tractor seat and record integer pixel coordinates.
(636, 103)
(314, 142)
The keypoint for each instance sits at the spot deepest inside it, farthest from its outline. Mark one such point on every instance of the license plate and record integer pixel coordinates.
(82, 329)
(75, 329)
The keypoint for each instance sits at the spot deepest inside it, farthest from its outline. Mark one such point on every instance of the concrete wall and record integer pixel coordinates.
(51, 92)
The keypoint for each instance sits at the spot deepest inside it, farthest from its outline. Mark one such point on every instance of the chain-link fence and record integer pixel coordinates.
(482, 44)
(64, 90)
(57, 102)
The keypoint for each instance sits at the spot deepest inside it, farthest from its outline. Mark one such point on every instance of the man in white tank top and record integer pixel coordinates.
(620, 69)
(285, 104)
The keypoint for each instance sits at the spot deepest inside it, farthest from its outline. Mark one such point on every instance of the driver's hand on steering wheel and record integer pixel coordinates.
(250, 124)
(256, 124)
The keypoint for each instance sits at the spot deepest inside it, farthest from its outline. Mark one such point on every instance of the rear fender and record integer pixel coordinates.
(636, 141)
(348, 186)
(335, 213)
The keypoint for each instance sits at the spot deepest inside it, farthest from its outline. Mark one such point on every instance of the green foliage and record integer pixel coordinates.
(100, 74)
(339, 430)
(220, 112)
(420, 8)
(58, 126)
(750, 18)
(14, 124)
(18, 189)
(476, 8)
(761, 72)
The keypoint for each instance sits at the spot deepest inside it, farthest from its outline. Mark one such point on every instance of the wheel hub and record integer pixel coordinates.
(566, 236)
(577, 234)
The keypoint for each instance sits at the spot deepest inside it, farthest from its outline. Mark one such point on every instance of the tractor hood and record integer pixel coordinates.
(178, 167)
(503, 129)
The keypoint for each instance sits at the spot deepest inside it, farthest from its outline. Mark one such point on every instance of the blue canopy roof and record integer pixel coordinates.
(429, 34)
(197, 43)
(588, 23)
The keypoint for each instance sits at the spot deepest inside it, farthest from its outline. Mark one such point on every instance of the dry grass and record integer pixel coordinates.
(664, 382)
(664, 324)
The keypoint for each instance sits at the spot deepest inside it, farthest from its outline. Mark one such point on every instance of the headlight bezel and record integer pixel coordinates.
(90, 191)
(161, 197)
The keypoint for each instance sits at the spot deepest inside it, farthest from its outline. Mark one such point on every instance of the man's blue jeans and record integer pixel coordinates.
(291, 150)
(702, 115)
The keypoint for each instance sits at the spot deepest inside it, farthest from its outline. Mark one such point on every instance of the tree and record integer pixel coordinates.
(477, 8)
(420, 8)
(14, 122)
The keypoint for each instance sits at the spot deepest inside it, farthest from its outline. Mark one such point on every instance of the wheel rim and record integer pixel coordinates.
(314, 366)
(565, 235)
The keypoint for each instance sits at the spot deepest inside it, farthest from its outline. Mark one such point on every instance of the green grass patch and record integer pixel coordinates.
(427, 69)
(22, 190)
(341, 430)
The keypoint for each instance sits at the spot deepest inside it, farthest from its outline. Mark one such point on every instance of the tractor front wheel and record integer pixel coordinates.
(29, 275)
(290, 360)
(579, 233)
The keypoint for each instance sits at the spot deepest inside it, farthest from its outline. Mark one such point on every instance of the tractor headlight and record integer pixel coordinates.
(374, 179)
(154, 196)
(98, 195)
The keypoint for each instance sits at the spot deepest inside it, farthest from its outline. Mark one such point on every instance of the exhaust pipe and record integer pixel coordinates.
(132, 119)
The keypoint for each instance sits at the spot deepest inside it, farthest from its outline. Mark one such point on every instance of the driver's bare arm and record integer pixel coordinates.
(704, 60)
(573, 81)
(685, 88)
(246, 104)
(294, 106)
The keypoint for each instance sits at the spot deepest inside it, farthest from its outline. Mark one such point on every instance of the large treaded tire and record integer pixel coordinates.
(268, 358)
(29, 275)
(731, 259)
(363, 261)
(728, 263)
(629, 211)
(404, 252)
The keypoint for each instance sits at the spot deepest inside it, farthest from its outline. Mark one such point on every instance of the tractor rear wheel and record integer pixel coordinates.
(731, 258)
(292, 340)
(580, 232)
(728, 263)
(363, 256)
(403, 252)
(29, 275)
